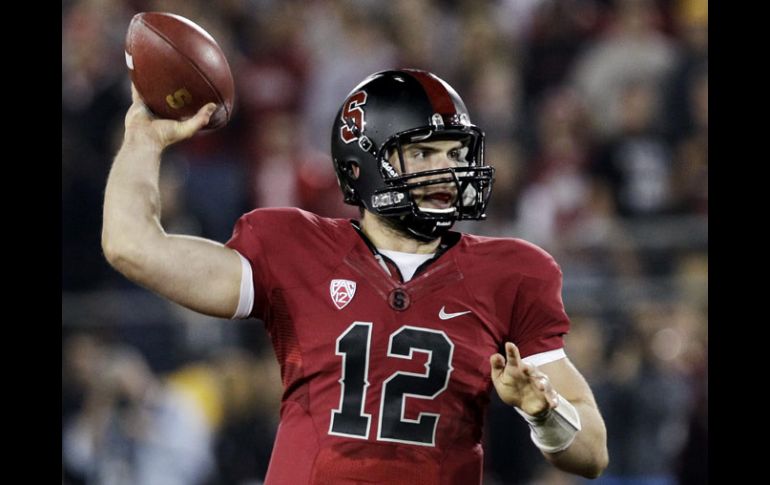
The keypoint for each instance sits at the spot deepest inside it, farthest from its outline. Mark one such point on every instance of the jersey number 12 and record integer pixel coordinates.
(354, 345)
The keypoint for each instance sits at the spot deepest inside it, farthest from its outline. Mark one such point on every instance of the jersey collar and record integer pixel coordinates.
(447, 241)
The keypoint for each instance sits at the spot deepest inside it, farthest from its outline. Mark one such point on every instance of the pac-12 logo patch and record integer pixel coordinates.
(342, 291)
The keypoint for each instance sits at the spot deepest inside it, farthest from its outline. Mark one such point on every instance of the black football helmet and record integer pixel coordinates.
(388, 110)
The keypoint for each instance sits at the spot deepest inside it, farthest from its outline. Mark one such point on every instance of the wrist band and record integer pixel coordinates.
(556, 429)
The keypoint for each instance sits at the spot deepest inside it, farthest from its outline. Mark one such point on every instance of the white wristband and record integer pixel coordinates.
(556, 430)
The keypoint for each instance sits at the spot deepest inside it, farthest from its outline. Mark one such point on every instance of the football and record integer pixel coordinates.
(178, 67)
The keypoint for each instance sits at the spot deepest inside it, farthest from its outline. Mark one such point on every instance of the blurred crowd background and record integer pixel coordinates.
(596, 115)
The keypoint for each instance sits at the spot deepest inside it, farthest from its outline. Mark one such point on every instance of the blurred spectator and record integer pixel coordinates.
(513, 18)
(271, 72)
(419, 43)
(690, 469)
(476, 45)
(92, 39)
(691, 279)
(81, 355)
(239, 393)
(557, 34)
(558, 188)
(176, 216)
(690, 177)
(633, 50)
(287, 174)
(691, 19)
(133, 429)
(636, 161)
(587, 349)
(215, 190)
(346, 42)
(644, 398)
(494, 90)
(598, 245)
(252, 390)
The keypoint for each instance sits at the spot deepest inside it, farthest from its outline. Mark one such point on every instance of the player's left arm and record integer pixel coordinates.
(587, 455)
(577, 430)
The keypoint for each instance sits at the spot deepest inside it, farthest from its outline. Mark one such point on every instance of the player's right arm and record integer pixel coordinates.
(197, 273)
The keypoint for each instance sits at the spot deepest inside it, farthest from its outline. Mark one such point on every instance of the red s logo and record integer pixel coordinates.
(352, 113)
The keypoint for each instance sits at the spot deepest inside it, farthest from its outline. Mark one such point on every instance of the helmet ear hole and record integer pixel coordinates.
(353, 170)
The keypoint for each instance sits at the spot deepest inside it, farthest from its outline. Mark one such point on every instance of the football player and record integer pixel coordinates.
(391, 330)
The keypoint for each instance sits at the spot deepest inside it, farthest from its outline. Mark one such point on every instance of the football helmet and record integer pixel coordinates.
(387, 111)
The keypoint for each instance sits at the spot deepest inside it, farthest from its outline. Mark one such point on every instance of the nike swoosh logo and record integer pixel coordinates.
(446, 316)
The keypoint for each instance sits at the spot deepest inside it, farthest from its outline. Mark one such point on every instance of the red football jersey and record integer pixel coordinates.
(387, 382)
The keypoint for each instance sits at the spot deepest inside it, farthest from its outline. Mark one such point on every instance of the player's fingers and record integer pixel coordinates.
(137, 109)
(497, 361)
(514, 358)
(497, 366)
(201, 118)
(529, 369)
(135, 94)
(204, 114)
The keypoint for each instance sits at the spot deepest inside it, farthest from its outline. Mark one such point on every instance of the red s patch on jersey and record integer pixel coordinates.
(353, 114)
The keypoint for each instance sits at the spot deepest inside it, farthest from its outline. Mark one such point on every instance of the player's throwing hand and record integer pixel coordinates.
(164, 132)
(520, 384)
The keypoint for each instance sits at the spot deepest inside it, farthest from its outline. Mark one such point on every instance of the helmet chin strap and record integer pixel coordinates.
(411, 227)
(424, 230)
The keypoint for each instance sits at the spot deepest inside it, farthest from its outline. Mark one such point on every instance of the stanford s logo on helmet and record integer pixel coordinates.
(388, 110)
(352, 114)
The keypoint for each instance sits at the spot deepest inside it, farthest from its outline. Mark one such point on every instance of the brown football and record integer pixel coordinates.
(177, 67)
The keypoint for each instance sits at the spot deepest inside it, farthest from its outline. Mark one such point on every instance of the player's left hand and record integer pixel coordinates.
(520, 384)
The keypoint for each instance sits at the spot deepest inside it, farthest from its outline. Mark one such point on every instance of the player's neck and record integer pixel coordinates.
(385, 237)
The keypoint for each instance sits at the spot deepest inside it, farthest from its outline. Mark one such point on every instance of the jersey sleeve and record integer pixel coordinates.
(539, 318)
(246, 241)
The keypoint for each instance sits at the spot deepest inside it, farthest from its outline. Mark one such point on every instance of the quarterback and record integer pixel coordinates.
(390, 330)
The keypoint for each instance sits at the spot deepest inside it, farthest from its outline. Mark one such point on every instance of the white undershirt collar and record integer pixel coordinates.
(407, 262)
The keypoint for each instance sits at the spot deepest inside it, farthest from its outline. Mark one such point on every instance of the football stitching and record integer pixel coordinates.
(192, 63)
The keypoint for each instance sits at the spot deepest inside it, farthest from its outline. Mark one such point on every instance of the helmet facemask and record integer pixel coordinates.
(469, 183)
